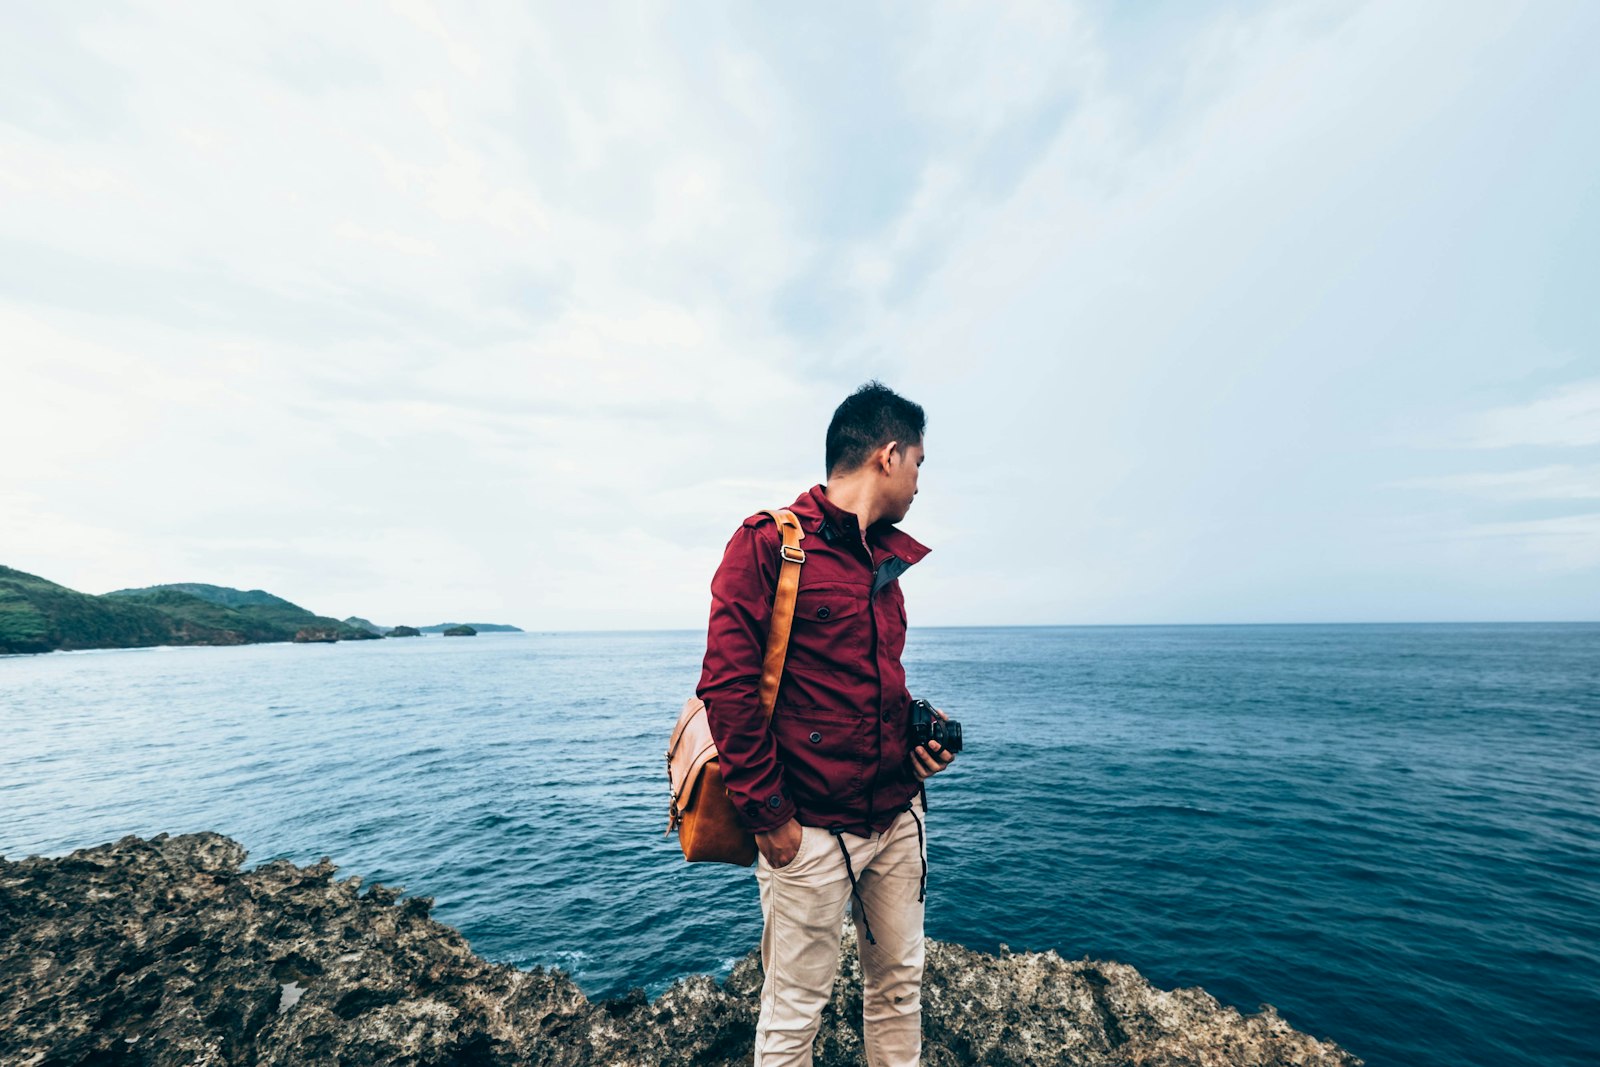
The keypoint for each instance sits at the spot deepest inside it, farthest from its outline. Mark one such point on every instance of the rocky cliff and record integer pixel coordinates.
(167, 952)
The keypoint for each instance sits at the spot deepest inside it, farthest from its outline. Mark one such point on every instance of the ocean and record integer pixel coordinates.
(1389, 832)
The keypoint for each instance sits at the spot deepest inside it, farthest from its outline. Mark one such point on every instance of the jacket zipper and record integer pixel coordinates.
(872, 596)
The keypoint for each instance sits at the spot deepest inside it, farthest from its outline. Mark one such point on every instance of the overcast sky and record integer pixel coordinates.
(1234, 312)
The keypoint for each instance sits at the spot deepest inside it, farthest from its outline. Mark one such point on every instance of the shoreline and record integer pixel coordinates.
(167, 951)
(359, 642)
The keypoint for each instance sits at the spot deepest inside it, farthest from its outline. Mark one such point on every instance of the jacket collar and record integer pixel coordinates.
(813, 508)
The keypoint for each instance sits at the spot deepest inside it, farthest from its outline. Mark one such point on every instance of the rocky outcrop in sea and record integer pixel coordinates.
(166, 952)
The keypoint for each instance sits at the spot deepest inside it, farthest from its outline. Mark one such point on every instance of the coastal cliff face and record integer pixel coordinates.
(166, 952)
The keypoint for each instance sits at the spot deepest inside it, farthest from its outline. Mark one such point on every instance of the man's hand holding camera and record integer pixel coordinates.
(933, 756)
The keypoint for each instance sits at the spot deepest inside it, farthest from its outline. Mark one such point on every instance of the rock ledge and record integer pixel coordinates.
(166, 952)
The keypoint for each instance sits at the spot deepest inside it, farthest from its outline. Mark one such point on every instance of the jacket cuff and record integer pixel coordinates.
(764, 818)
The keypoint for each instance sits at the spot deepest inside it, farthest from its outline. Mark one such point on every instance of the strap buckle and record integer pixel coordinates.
(792, 553)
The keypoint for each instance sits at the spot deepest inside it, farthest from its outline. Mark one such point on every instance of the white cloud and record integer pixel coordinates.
(479, 300)
(1558, 482)
(422, 311)
(1566, 544)
(1568, 417)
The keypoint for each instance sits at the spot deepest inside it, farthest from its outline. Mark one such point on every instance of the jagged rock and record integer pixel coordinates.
(316, 634)
(165, 952)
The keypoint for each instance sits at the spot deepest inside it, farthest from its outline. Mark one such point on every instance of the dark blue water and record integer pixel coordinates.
(1392, 833)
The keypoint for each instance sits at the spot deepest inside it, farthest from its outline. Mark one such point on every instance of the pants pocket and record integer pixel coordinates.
(806, 834)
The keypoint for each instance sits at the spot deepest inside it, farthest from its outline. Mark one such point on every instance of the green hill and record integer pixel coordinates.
(37, 615)
(256, 609)
(216, 594)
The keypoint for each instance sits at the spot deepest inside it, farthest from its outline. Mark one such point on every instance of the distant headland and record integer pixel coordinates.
(37, 615)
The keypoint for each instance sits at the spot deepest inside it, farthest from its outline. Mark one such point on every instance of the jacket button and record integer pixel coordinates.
(774, 801)
(823, 612)
(888, 716)
(815, 737)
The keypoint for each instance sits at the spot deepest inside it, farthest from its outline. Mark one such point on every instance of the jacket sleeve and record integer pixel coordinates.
(736, 641)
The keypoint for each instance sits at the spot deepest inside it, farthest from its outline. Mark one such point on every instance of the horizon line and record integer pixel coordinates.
(1123, 625)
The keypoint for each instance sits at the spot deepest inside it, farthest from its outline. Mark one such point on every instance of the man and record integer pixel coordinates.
(833, 788)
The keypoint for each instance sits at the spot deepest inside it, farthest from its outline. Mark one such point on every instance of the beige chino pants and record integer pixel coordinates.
(803, 907)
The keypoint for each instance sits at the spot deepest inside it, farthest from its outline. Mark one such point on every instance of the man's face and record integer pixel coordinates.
(902, 487)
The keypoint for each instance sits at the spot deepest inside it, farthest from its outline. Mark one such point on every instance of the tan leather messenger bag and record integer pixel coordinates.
(708, 828)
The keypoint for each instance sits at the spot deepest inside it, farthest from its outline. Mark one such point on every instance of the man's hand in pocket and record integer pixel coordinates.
(779, 846)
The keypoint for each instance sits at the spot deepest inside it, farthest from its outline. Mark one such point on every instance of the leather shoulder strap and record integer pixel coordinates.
(782, 608)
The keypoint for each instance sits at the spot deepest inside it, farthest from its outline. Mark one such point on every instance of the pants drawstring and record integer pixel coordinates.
(922, 886)
(851, 873)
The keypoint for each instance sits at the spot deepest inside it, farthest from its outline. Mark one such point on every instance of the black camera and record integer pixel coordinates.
(927, 726)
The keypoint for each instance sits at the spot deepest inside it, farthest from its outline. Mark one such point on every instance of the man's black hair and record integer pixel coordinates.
(870, 418)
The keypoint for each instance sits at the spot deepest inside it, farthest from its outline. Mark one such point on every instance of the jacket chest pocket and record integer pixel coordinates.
(830, 629)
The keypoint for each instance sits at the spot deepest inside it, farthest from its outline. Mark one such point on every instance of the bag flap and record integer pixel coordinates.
(690, 707)
(692, 748)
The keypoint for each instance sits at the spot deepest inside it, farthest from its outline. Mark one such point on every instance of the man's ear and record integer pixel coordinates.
(886, 456)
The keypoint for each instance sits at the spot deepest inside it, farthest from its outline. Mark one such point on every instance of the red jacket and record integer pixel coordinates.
(836, 754)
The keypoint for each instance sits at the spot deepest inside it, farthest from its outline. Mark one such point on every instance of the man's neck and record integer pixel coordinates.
(856, 497)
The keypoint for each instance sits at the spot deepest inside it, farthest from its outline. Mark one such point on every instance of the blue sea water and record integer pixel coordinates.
(1391, 833)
